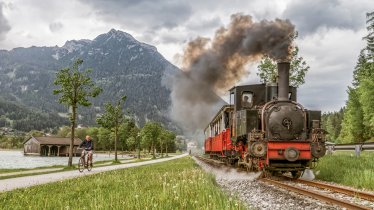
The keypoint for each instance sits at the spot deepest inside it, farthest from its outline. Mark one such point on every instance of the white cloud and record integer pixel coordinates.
(4, 25)
(330, 33)
(332, 56)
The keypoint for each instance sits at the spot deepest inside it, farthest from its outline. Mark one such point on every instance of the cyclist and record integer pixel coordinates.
(88, 147)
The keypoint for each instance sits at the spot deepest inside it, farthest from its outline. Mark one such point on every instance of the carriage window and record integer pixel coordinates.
(247, 99)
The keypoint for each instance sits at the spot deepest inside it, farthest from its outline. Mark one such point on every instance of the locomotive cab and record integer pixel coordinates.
(247, 101)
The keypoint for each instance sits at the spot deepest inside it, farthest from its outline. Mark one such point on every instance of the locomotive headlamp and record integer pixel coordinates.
(291, 154)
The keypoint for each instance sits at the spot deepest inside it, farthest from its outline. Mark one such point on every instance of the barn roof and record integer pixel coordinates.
(56, 140)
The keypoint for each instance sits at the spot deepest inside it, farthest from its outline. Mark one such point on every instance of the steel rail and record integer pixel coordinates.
(351, 192)
(314, 194)
(211, 161)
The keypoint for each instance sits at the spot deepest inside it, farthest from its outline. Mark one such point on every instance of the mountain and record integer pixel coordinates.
(120, 64)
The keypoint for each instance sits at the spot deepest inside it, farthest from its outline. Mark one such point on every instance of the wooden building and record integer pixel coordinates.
(50, 146)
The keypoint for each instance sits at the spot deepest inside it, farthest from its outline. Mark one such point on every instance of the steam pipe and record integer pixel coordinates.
(283, 80)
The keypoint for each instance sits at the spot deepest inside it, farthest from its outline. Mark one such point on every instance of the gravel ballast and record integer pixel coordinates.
(259, 195)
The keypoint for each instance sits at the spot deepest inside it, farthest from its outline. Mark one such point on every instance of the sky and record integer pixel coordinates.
(330, 31)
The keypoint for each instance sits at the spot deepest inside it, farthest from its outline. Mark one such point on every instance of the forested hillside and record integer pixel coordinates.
(332, 123)
(19, 117)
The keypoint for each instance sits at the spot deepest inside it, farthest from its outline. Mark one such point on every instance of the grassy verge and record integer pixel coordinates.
(5, 170)
(345, 168)
(74, 167)
(177, 184)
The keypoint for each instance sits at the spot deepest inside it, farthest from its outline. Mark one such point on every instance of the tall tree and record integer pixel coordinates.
(358, 122)
(112, 119)
(267, 69)
(75, 87)
(127, 130)
(366, 91)
(370, 37)
(169, 140)
(331, 122)
(104, 138)
(150, 133)
(353, 129)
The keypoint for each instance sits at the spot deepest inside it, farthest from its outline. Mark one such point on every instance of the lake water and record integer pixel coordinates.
(16, 159)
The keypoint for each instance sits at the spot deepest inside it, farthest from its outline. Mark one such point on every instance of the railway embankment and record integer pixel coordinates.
(285, 193)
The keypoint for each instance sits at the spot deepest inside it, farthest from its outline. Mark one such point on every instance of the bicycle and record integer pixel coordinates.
(82, 161)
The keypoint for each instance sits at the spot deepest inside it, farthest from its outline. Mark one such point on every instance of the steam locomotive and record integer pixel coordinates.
(264, 129)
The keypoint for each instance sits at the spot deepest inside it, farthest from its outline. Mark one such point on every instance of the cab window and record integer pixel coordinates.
(247, 99)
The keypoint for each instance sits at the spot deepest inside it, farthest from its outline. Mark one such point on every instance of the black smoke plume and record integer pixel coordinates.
(212, 66)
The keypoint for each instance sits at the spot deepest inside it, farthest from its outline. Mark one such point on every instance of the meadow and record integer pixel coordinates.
(176, 184)
(345, 168)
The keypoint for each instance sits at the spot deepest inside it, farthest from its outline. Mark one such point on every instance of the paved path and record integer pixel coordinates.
(56, 169)
(27, 181)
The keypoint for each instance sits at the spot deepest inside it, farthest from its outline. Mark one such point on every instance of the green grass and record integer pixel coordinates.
(5, 170)
(68, 168)
(177, 184)
(345, 168)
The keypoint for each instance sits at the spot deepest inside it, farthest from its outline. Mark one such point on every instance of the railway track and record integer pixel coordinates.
(312, 193)
(210, 161)
(350, 192)
(315, 194)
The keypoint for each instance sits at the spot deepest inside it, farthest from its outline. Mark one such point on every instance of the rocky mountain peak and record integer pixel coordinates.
(121, 38)
(74, 45)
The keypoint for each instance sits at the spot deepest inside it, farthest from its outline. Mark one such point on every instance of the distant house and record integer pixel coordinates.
(50, 146)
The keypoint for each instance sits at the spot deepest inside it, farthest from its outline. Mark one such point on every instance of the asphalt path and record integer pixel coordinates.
(28, 181)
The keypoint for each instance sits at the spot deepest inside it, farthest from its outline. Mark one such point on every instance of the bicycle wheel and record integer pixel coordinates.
(81, 164)
(89, 164)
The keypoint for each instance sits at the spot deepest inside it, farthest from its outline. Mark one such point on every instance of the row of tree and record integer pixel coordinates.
(11, 141)
(355, 123)
(75, 87)
(151, 138)
(358, 122)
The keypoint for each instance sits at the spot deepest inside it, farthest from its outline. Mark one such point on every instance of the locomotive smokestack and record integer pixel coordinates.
(283, 80)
